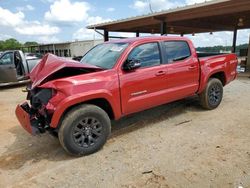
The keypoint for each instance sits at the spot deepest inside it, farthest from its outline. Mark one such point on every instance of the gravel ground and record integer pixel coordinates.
(174, 145)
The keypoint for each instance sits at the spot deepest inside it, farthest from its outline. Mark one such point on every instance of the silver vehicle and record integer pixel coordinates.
(15, 67)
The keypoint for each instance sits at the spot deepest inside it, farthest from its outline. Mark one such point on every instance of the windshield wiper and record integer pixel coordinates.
(99, 67)
(94, 65)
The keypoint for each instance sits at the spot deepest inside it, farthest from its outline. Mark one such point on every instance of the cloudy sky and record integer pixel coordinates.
(65, 20)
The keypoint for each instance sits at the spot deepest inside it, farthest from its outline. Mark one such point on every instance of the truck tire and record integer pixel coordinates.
(212, 95)
(84, 130)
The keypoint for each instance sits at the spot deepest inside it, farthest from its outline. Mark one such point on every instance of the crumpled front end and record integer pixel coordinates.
(23, 115)
(34, 117)
(52, 80)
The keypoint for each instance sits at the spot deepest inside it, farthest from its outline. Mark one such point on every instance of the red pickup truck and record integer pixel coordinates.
(77, 101)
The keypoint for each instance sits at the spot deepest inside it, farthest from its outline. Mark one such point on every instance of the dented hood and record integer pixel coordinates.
(50, 64)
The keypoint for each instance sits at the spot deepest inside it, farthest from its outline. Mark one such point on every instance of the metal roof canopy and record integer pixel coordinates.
(211, 16)
(219, 15)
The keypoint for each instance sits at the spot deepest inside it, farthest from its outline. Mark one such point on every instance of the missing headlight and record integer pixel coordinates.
(42, 97)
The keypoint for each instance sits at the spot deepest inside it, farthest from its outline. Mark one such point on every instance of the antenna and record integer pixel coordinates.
(150, 7)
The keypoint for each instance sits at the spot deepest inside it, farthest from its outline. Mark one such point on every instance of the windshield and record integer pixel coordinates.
(104, 55)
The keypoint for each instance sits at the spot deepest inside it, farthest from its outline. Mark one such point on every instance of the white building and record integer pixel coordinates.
(65, 49)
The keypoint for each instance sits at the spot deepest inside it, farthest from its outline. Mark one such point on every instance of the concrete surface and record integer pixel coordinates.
(174, 145)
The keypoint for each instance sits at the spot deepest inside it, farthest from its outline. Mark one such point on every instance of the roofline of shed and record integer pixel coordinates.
(197, 5)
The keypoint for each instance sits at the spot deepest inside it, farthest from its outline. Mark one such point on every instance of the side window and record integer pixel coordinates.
(176, 51)
(148, 54)
(6, 59)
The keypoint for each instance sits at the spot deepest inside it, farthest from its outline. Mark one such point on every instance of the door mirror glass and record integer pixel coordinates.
(131, 64)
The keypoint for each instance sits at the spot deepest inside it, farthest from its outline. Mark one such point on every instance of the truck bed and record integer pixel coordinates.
(224, 64)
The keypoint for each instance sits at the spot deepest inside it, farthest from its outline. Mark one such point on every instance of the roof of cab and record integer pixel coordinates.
(147, 38)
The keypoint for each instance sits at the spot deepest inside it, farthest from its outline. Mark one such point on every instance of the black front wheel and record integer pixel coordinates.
(84, 130)
(212, 95)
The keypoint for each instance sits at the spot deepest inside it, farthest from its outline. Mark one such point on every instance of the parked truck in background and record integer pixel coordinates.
(15, 66)
(77, 101)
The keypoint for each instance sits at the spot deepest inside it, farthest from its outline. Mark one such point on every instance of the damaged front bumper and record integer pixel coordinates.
(29, 122)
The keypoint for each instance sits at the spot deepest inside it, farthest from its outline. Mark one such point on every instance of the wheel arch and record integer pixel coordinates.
(103, 103)
(220, 76)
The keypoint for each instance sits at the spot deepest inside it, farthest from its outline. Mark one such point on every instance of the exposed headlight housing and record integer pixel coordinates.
(41, 98)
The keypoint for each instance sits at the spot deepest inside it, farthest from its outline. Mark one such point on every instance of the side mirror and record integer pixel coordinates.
(131, 64)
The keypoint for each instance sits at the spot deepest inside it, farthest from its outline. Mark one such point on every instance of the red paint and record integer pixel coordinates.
(24, 119)
(160, 84)
(50, 64)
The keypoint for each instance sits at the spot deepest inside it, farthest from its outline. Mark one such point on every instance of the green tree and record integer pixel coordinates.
(11, 44)
(30, 43)
(217, 49)
(1, 45)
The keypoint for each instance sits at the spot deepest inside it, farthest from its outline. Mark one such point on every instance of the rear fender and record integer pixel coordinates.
(205, 77)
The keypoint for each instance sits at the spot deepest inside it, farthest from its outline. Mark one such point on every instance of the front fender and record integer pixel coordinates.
(81, 98)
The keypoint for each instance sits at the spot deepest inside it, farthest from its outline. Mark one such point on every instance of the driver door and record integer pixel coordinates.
(143, 87)
(7, 68)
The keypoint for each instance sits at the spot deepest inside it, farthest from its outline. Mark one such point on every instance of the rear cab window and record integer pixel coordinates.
(148, 54)
(175, 51)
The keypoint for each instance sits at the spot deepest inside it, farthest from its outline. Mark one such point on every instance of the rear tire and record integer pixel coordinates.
(84, 130)
(212, 95)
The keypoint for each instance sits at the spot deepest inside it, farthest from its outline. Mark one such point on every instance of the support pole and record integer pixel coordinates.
(106, 35)
(234, 41)
(54, 49)
(248, 56)
(163, 28)
(137, 33)
(99, 32)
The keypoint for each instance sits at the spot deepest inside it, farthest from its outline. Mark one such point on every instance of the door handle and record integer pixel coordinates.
(160, 73)
(192, 67)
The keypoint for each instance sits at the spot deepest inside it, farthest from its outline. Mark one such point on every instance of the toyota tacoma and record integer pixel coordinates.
(77, 100)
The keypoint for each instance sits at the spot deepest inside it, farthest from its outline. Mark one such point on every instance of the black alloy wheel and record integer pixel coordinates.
(87, 132)
(84, 130)
(214, 94)
(211, 96)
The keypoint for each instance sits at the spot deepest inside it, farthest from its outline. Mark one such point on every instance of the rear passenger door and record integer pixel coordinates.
(182, 69)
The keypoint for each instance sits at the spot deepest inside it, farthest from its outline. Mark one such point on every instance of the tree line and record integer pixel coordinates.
(13, 44)
(221, 48)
